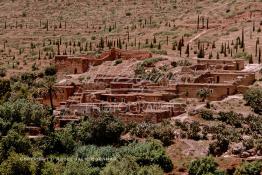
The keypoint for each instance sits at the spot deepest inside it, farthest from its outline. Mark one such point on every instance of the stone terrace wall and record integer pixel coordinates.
(218, 91)
(232, 64)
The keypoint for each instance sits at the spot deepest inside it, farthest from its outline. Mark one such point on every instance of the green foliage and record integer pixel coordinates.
(252, 168)
(150, 61)
(159, 51)
(50, 71)
(98, 156)
(152, 169)
(5, 87)
(102, 130)
(148, 153)
(203, 94)
(14, 142)
(80, 168)
(50, 168)
(204, 166)
(206, 114)
(2, 72)
(17, 164)
(163, 132)
(119, 61)
(219, 147)
(123, 166)
(231, 118)
(23, 110)
(253, 98)
(59, 142)
(243, 55)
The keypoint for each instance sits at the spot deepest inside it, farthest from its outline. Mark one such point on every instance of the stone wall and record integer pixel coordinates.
(230, 64)
(77, 65)
(217, 91)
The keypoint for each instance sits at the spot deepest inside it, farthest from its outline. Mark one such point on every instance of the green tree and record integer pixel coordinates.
(122, 166)
(17, 164)
(204, 166)
(50, 71)
(5, 88)
(14, 142)
(203, 94)
(60, 142)
(253, 98)
(252, 168)
(103, 130)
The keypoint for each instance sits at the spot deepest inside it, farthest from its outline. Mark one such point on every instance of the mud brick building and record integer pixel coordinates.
(135, 100)
(77, 65)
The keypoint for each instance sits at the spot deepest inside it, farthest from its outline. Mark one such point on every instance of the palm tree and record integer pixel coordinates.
(203, 94)
(47, 89)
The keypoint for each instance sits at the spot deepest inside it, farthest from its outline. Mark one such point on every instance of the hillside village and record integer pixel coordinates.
(131, 87)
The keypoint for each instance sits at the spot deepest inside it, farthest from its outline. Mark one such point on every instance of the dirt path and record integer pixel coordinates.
(197, 36)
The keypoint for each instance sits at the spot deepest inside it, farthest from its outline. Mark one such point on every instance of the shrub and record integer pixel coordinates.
(206, 114)
(253, 98)
(206, 165)
(219, 147)
(151, 61)
(231, 118)
(2, 72)
(50, 71)
(59, 142)
(5, 87)
(253, 168)
(103, 130)
(17, 164)
(15, 142)
(119, 61)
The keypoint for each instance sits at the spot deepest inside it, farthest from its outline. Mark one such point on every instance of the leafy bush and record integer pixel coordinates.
(50, 71)
(253, 168)
(150, 61)
(253, 98)
(103, 130)
(231, 118)
(59, 142)
(14, 142)
(243, 55)
(202, 166)
(163, 132)
(219, 147)
(119, 61)
(2, 72)
(206, 114)
(5, 87)
(18, 164)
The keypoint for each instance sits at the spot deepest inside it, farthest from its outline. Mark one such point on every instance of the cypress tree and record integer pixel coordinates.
(259, 56)
(159, 46)
(151, 45)
(251, 59)
(187, 50)
(257, 42)
(242, 40)
(198, 22)
(47, 25)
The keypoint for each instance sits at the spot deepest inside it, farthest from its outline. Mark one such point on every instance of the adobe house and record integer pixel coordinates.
(71, 65)
(217, 91)
(61, 94)
(78, 65)
(232, 64)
